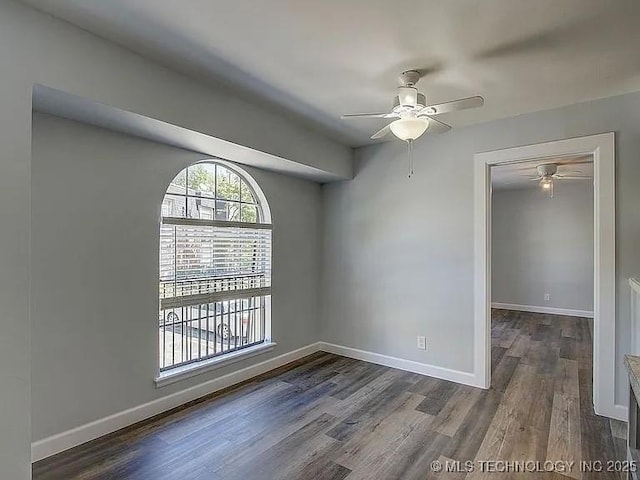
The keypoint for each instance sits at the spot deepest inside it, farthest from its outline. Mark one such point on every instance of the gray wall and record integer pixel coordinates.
(543, 245)
(95, 210)
(36, 48)
(399, 252)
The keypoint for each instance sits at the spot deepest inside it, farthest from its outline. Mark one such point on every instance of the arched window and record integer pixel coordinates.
(215, 265)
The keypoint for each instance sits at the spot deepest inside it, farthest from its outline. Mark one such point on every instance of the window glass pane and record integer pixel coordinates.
(228, 184)
(206, 212)
(248, 213)
(229, 211)
(202, 180)
(193, 207)
(179, 184)
(201, 208)
(246, 195)
(167, 259)
(173, 206)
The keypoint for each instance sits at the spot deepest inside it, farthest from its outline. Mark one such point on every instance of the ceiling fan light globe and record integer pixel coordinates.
(547, 185)
(409, 128)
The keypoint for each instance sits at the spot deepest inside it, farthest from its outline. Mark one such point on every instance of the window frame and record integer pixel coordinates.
(184, 369)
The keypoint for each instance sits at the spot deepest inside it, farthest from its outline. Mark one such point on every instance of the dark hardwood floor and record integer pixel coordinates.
(330, 417)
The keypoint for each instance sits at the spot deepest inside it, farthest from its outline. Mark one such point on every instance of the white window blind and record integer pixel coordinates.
(205, 260)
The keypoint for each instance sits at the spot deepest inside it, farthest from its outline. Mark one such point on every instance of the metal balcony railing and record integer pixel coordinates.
(192, 330)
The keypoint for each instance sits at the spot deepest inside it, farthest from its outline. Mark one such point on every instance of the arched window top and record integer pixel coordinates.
(214, 191)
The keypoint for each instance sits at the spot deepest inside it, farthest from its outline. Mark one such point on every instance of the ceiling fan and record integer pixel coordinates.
(548, 172)
(413, 115)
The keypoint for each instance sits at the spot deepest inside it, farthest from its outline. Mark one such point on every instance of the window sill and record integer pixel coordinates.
(188, 371)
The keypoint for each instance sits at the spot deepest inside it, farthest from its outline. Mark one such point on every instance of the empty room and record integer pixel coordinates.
(319, 240)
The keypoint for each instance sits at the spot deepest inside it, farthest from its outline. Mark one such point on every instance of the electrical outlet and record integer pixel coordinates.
(422, 343)
(547, 297)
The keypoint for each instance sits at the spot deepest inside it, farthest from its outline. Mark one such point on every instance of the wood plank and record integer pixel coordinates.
(370, 413)
(568, 326)
(520, 346)
(503, 373)
(291, 452)
(508, 337)
(502, 433)
(263, 440)
(540, 332)
(467, 440)
(324, 469)
(568, 348)
(350, 382)
(540, 415)
(412, 461)
(355, 401)
(455, 411)
(369, 451)
(436, 397)
(497, 353)
(565, 443)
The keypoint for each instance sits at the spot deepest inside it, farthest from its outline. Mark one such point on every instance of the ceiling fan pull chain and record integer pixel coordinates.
(410, 143)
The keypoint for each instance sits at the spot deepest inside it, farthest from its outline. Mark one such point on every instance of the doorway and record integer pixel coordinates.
(601, 149)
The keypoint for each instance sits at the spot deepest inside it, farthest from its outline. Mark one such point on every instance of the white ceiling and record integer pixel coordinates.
(320, 59)
(519, 175)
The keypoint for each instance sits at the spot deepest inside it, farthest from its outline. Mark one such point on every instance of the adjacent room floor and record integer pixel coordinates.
(330, 417)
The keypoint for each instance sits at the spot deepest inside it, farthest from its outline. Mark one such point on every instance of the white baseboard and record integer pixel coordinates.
(90, 431)
(98, 428)
(401, 364)
(550, 310)
(617, 412)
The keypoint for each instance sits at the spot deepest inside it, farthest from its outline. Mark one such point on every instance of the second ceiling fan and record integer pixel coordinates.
(548, 172)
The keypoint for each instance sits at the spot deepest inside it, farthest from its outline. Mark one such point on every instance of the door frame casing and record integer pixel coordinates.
(602, 149)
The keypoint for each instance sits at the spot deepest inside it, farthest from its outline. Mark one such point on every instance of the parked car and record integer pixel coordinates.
(223, 320)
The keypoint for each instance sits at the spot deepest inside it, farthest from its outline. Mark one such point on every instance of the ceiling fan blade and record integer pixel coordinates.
(575, 161)
(382, 132)
(436, 126)
(571, 177)
(536, 179)
(462, 104)
(549, 39)
(529, 44)
(367, 115)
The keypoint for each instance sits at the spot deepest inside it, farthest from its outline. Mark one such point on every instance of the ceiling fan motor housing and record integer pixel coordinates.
(409, 78)
(421, 102)
(547, 169)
